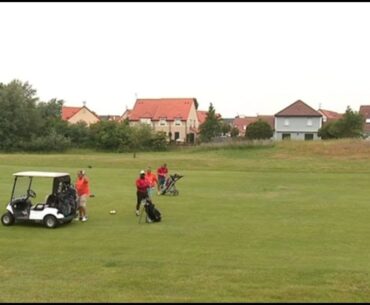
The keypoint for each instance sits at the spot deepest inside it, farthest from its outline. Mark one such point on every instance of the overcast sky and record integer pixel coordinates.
(244, 58)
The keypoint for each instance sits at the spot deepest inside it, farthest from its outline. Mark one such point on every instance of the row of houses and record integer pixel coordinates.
(180, 120)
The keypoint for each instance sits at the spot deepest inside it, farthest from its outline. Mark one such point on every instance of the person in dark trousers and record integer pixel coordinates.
(142, 186)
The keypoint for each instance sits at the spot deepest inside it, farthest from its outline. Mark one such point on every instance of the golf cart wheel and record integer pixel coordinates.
(50, 221)
(7, 219)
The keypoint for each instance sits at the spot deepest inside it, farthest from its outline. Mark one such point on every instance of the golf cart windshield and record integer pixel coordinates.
(24, 181)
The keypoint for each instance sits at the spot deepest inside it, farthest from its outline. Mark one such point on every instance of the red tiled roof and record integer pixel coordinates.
(202, 115)
(299, 109)
(243, 122)
(68, 112)
(169, 108)
(330, 115)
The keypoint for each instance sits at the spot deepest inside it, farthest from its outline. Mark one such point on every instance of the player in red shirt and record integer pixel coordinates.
(162, 173)
(142, 186)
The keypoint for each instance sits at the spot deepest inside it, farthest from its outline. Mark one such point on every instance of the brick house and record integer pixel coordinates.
(365, 112)
(77, 114)
(329, 116)
(177, 117)
(242, 122)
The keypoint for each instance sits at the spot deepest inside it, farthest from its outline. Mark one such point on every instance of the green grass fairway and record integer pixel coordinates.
(287, 223)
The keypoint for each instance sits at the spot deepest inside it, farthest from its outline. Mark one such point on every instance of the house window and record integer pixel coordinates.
(163, 122)
(309, 122)
(286, 122)
(177, 122)
(367, 120)
(177, 135)
(145, 121)
(308, 136)
(286, 136)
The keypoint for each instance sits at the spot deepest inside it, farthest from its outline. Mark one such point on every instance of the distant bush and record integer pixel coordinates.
(234, 144)
(259, 130)
(50, 143)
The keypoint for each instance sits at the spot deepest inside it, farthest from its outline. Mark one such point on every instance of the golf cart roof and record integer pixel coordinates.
(40, 174)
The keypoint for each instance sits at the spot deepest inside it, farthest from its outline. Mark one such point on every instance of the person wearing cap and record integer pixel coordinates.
(152, 180)
(142, 186)
(83, 192)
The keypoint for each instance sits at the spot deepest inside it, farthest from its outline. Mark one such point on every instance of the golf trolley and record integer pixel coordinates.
(170, 185)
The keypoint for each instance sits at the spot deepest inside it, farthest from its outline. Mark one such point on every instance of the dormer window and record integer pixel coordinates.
(145, 121)
(162, 122)
(177, 122)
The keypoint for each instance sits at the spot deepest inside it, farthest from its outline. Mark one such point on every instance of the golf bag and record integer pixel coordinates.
(152, 213)
(170, 185)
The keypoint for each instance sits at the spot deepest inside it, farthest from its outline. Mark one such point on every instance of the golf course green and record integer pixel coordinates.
(286, 222)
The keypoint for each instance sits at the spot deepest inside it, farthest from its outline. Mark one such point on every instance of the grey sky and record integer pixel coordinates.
(245, 58)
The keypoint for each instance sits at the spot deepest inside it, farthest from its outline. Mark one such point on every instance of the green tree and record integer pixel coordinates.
(19, 118)
(329, 131)
(159, 141)
(196, 103)
(105, 135)
(78, 133)
(211, 127)
(52, 109)
(225, 127)
(51, 116)
(258, 130)
(140, 138)
(234, 132)
(349, 126)
(50, 142)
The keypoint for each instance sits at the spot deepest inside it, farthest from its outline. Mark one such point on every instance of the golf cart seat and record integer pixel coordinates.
(51, 201)
(38, 207)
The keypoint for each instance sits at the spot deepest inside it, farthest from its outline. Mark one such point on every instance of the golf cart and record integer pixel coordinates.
(59, 206)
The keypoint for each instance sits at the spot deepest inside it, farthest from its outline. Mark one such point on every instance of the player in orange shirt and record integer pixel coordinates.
(152, 180)
(83, 192)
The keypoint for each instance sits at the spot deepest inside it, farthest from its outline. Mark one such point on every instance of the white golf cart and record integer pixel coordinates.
(59, 206)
